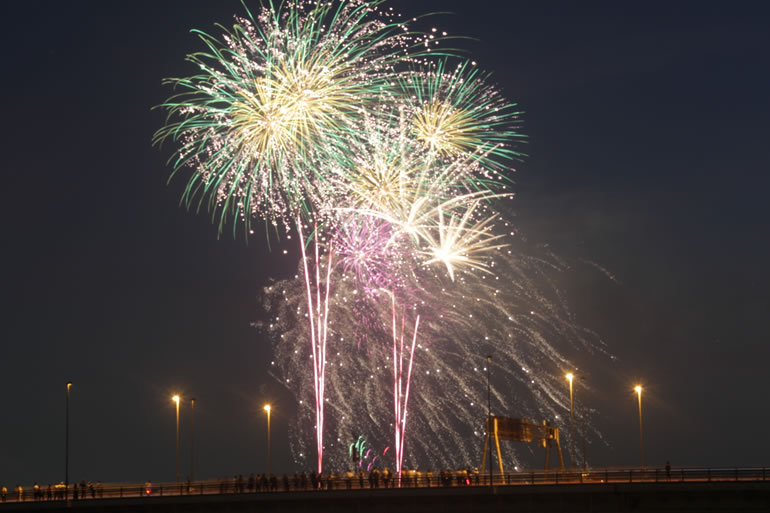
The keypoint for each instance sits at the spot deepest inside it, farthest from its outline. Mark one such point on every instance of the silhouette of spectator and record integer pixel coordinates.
(668, 470)
(273, 483)
(3, 493)
(285, 483)
(314, 480)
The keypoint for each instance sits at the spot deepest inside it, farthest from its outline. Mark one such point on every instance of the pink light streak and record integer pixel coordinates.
(319, 322)
(401, 400)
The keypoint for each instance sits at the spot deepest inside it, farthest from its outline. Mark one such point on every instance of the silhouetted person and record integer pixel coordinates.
(3, 493)
(668, 470)
(285, 483)
(303, 480)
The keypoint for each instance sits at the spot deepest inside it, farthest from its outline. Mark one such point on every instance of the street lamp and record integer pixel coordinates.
(176, 399)
(638, 390)
(267, 409)
(570, 377)
(67, 442)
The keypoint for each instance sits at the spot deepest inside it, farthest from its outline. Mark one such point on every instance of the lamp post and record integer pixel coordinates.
(67, 442)
(176, 399)
(489, 418)
(638, 390)
(570, 377)
(267, 409)
(192, 439)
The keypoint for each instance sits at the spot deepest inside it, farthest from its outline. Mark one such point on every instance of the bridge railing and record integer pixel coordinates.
(409, 479)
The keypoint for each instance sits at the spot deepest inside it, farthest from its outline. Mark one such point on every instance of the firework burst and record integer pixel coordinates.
(455, 112)
(274, 96)
(332, 119)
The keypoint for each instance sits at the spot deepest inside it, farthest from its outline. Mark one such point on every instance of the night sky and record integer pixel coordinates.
(648, 157)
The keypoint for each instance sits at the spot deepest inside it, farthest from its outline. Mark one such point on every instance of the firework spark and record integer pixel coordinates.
(518, 314)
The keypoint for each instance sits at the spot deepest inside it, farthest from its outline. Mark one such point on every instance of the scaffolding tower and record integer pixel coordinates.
(521, 430)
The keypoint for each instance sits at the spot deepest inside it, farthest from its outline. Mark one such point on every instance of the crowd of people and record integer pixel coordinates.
(375, 478)
(58, 491)
(303, 481)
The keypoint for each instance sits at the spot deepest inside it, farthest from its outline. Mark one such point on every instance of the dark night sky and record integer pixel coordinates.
(648, 155)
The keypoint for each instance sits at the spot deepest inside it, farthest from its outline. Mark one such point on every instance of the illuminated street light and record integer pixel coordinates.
(570, 377)
(67, 443)
(267, 409)
(176, 399)
(638, 390)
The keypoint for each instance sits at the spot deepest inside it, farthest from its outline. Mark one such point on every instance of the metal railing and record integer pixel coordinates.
(372, 481)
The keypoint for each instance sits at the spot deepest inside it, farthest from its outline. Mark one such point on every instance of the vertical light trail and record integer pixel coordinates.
(396, 392)
(406, 394)
(319, 323)
(401, 400)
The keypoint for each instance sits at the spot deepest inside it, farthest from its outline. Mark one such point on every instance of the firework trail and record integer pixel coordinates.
(518, 314)
(318, 315)
(401, 383)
